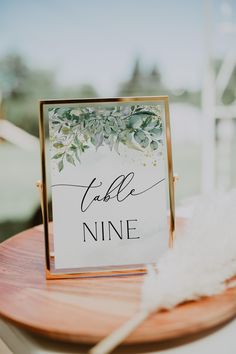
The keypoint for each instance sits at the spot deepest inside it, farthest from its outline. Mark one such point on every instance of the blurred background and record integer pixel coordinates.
(74, 49)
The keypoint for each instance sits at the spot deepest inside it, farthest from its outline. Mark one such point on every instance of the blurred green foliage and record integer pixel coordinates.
(22, 87)
(229, 94)
(150, 83)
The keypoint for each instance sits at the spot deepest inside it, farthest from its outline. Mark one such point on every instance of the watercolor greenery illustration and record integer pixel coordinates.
(75, 130)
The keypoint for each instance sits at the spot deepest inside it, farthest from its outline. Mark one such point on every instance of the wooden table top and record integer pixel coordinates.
(86, 310)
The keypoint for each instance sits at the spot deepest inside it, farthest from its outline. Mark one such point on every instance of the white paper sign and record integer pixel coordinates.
(109, 184)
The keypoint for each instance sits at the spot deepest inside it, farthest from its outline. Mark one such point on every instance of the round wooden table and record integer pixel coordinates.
(87, 310)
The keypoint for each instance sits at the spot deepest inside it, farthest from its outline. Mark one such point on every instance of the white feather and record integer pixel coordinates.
(202, 258)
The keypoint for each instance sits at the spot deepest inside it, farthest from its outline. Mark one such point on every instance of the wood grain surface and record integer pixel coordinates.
(87, 310)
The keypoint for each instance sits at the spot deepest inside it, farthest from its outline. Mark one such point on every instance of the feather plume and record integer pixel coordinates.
(202, 260)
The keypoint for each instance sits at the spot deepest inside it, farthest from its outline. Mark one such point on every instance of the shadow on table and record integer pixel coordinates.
(147, 348)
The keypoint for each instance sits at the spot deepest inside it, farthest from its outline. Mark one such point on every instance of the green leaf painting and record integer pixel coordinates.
(74, 130)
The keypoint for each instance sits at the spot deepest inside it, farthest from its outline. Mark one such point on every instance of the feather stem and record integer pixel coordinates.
(115, 338)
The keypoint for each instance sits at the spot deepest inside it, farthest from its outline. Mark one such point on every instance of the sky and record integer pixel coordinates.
(97, 41)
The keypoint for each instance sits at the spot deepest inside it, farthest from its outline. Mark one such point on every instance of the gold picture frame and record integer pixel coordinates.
(51, 272)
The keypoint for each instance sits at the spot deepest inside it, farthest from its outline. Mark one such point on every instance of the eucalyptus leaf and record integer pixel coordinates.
(73, 147)
(58, 145)
(70, 159)
(60, 165)
(98, 139)
(93, 141)
(77, 156)
(146, 122)
(130, 144)
(144, 143)
(135, 121)
(154, 145)
(116, 145)
(139, 136)
(110, 142)
(61, 111)
(151, 125)
(57, 156)
(65, 130)
(107, 129)
(146, 112)
(157, 132)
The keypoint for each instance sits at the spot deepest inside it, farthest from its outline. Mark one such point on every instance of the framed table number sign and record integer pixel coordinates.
(107, 168)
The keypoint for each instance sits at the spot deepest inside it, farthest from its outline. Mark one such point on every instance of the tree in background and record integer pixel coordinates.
(150, 83)
(141, 83)
(13, 76)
